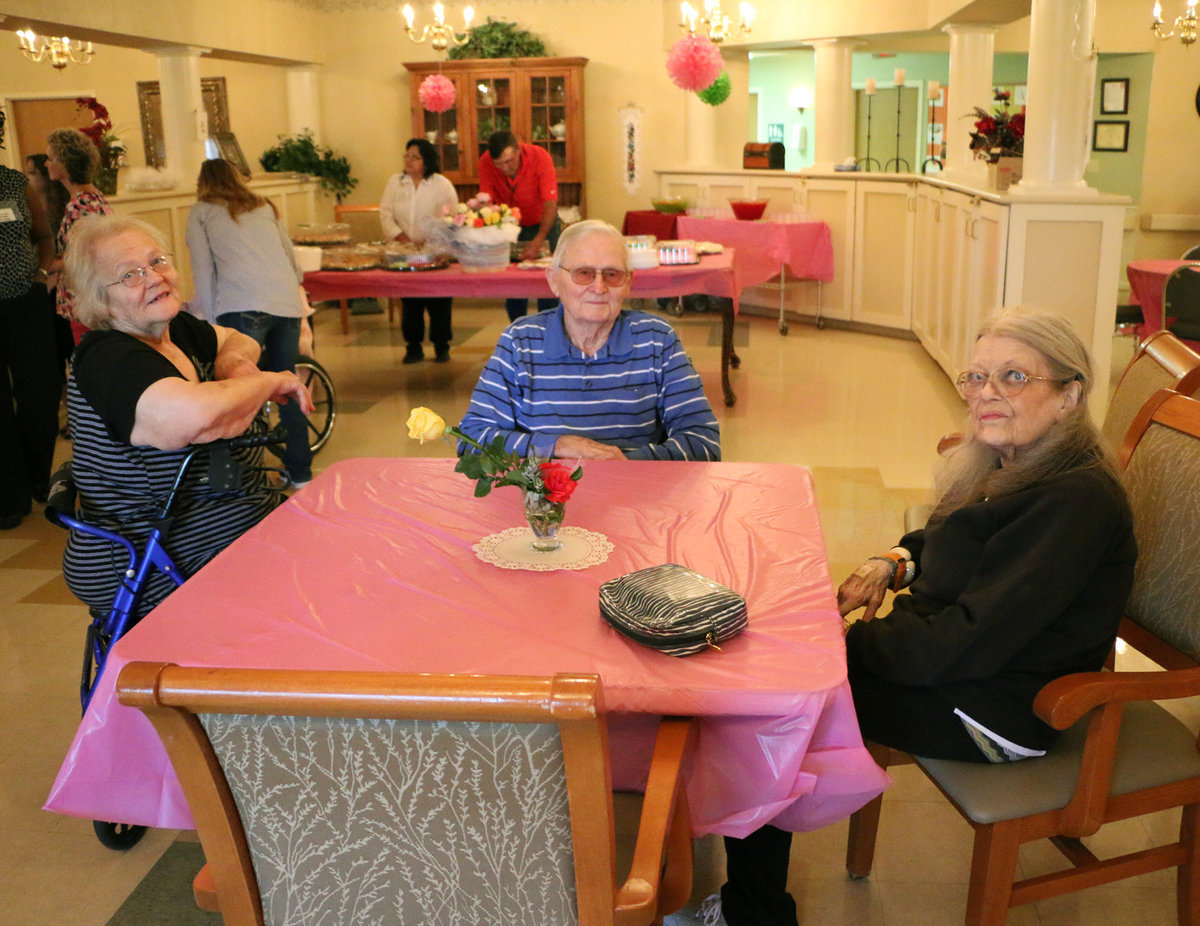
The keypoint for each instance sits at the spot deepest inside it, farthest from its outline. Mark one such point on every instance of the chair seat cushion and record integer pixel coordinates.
(1154, 748)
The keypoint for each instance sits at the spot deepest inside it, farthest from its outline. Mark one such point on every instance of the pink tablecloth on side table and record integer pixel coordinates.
(1146, 281)
(371, 568)
(764, 246)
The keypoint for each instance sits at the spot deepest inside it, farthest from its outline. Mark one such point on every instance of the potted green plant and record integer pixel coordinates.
(301, 154)
(500, 39)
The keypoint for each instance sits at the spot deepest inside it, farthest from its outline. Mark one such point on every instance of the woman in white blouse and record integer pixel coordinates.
(410, 200)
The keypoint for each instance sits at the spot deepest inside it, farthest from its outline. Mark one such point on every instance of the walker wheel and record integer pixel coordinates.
(119, 836)
(783, 328)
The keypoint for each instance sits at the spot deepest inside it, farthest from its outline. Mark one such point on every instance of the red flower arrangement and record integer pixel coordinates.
(998, 134)
(107, 142)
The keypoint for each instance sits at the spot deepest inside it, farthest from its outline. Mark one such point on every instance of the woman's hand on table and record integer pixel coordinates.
(573, 447)
(864, 588)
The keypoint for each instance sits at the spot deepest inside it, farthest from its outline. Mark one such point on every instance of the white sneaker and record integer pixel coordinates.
(708, 914)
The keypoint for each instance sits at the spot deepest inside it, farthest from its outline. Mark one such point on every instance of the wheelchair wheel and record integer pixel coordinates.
(324, 396)
(118, 836)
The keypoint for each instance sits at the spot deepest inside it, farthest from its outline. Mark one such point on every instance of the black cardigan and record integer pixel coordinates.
(1010, 594)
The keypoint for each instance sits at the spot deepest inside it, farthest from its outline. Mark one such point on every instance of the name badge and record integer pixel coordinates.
(7, 213)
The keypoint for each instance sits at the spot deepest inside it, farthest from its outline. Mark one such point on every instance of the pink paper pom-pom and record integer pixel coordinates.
(694, 62)
(436, 93)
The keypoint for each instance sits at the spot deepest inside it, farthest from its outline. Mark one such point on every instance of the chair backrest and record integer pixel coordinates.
(1162, 475)
(1181, 301)
(1192, 253)
(363, 222)
(1162, 362)
(385, 798)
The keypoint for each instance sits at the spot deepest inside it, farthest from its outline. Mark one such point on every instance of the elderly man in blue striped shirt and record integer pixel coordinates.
(589, 381)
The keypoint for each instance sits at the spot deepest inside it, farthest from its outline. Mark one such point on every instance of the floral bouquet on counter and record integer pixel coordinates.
(494, 466)
(107, 142)
(480, 221)
(998, 134)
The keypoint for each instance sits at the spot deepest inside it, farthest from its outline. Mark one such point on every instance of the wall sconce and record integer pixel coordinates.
(1185, 25)
(801, 98)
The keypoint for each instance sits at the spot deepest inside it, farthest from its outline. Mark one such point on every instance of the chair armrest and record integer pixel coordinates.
(1063, 701)
(664, 818)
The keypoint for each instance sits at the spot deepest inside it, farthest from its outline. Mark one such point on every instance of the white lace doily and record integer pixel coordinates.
(511, 549)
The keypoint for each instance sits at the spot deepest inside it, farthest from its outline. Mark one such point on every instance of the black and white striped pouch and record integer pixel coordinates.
(672, 609)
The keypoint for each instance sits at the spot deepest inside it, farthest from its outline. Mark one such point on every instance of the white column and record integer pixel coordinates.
(304, 100)
(1062, 78)
(700, 133)
(972, 49)
(833, 102)
(185, 124)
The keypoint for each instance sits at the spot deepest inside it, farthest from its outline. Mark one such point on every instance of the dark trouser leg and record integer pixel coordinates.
(918, 721)
(516, 308)
(412, 321)
(29, 401)
(757, 868)
(439, 322)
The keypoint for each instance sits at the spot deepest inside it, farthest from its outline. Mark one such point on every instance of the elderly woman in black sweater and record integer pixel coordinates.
(1020, 577)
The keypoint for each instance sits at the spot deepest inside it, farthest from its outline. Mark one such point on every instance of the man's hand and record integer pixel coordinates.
(864, 588)
(533, 247)
(572, 447)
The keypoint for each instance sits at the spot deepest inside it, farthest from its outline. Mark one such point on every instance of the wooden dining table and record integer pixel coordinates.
(713, 275)
(383, 565)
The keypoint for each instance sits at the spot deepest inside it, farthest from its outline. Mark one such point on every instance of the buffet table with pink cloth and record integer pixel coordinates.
(763, 247)
(371, 567)
(714, 275)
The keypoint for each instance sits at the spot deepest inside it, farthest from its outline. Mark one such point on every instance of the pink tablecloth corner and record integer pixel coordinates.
(1146, 281)
(764, 246)
(372, 568)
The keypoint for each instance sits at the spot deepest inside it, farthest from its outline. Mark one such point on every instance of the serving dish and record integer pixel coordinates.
(748, 209)
(672, 205)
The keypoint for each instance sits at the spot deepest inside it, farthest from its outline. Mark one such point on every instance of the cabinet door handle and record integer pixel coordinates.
(937, 212)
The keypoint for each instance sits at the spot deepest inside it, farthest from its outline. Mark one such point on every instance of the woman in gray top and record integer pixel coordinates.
(246, 278)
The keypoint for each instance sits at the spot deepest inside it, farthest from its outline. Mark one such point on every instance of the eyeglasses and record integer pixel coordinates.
(1007, 383)
(137, 276)
(586, 276)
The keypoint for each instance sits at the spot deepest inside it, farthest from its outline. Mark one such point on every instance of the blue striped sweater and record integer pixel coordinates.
(639, 392)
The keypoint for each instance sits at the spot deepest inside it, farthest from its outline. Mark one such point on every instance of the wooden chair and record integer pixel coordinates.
(364, 227)
(387, 798)
(1162, 362)
(1121, 755)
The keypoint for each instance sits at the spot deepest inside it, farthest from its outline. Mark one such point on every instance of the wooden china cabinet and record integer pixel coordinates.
(540, 100)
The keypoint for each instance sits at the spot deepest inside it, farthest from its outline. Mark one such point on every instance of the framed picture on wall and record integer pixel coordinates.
(1110, 136)
(1114, 97)
(227, 144)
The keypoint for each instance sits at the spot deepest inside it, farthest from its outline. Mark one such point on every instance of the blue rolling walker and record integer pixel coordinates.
(110, 625)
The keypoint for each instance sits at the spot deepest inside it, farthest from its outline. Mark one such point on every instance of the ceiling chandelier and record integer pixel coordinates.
(1184, 25)
(717, 26)
(440, 34)
(59, 50)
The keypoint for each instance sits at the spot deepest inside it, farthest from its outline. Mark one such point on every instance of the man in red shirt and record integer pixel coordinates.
(523, 176)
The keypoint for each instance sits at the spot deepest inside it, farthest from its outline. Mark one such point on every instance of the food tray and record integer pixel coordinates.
(331, 233)
(438, 263)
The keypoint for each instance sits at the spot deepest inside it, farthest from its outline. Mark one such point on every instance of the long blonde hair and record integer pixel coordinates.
(220, 183)
(973, 470)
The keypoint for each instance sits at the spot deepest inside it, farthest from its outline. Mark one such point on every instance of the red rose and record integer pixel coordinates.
(477, 223)
(986, 125)
(1016, 125)
(558, 481)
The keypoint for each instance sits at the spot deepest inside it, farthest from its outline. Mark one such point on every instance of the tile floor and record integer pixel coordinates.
(863, 412)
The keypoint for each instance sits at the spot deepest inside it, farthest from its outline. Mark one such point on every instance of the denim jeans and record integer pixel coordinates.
(279, 339)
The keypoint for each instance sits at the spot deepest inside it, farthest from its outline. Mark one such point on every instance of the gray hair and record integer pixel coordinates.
(87, 279)
(973, 469)
(582, 230)
(76, 153)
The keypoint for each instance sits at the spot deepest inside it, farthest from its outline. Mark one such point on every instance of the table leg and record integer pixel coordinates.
(344, 304)
(783, 328)
(728, 357)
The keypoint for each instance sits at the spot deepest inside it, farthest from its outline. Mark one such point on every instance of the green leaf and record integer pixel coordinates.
(482, 488)
(578, 474)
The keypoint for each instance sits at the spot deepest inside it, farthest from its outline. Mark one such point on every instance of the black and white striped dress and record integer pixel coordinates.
(122, 486)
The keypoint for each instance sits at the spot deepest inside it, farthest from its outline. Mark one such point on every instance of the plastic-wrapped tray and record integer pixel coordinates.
(331, 233)
(672, 609)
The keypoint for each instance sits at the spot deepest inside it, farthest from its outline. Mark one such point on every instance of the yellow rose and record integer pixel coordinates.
(425, 424)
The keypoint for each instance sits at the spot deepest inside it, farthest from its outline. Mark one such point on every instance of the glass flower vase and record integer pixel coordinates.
(545, 518)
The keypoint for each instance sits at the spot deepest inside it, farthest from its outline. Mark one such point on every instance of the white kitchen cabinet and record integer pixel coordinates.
(884, 220)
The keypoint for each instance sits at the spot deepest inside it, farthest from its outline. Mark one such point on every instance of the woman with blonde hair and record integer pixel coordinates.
(246, 278)
(1020, 577)
(73, 160)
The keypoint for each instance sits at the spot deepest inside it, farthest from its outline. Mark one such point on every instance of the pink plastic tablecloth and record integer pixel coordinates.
(371, 568)
(1146, 281)
(764, 246)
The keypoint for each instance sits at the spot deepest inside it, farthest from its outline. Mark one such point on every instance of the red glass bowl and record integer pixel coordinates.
(748, 209)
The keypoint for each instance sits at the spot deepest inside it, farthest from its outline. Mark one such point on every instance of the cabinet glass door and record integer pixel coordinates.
(493, 108)
(548, 116)
(441, 130)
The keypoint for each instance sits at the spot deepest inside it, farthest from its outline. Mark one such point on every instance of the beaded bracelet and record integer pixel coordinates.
(899, 569)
